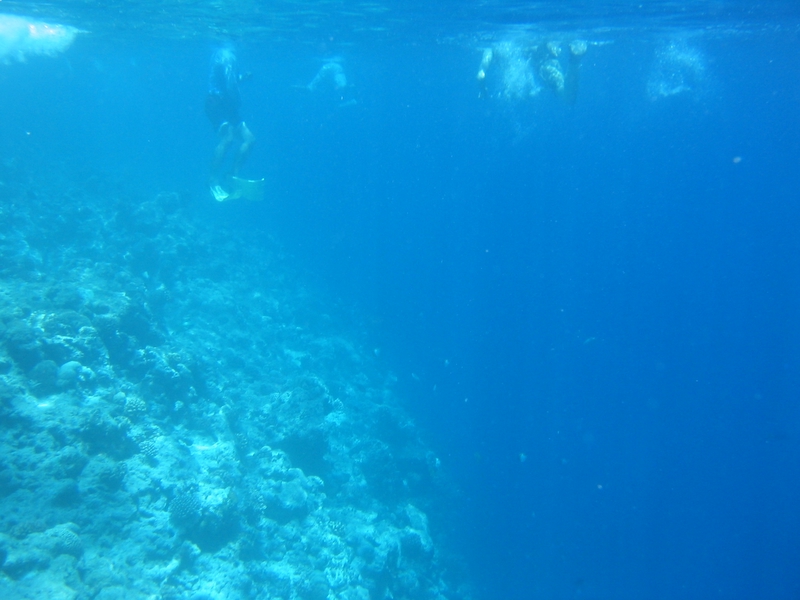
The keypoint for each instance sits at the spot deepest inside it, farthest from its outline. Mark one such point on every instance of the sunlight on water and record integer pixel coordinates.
(338, 20)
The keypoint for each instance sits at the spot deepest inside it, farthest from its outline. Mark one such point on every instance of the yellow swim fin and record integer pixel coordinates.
(249, 189)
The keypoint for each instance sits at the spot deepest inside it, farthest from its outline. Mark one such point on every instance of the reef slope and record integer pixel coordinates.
(182, 419)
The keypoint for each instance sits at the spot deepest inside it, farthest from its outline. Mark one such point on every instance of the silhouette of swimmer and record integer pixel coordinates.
(331, 75)
(522, 69)
(563, 83)
(331, 82)
(222, 107)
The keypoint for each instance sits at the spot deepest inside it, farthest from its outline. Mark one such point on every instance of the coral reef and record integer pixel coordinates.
(182, 419)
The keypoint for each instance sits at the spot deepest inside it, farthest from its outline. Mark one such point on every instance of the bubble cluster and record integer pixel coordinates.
(21, 38)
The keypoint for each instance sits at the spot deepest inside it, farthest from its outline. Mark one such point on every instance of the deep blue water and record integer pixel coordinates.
(591, 309)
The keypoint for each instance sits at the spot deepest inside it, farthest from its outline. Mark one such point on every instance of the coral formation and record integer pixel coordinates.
(180, 422)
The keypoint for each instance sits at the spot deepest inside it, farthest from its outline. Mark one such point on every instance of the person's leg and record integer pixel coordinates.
(577, 48)
(248, 139)
(226, 134)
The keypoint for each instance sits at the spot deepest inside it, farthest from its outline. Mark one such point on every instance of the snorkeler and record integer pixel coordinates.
(330, 84)
(521, 69)
(563, 82)
(222, 108)
(331, 75)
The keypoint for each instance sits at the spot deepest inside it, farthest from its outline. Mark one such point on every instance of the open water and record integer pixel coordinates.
(569, 230)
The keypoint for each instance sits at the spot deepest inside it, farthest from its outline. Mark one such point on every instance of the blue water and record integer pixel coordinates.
(591, 308)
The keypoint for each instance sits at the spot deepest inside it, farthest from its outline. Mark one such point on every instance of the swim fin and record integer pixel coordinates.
(220, 195)
(249, 189)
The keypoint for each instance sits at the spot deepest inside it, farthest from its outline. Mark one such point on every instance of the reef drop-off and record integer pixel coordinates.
(181, 418)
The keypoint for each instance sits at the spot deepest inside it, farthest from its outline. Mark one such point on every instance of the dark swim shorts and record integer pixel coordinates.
(220, 110)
